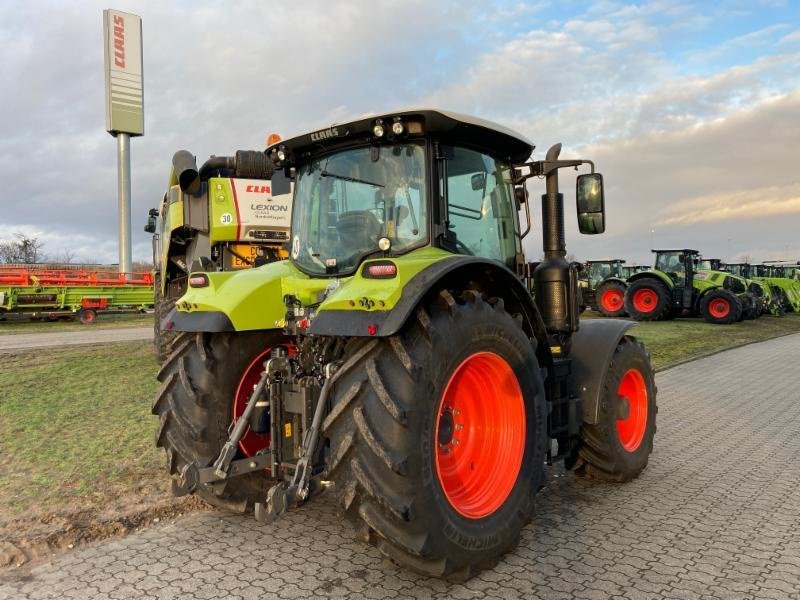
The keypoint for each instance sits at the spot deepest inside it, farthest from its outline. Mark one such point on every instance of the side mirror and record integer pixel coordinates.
(478, 181)
(151, 221)
(590, 203)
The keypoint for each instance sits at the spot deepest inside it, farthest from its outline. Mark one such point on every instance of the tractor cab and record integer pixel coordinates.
(708, 264)
(600, 270)
(741, 269)
(677, 264)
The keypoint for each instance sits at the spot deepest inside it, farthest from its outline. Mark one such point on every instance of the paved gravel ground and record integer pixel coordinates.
(18, 341)
(715, 515)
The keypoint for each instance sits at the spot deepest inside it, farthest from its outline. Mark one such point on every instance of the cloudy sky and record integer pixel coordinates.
(690, 109)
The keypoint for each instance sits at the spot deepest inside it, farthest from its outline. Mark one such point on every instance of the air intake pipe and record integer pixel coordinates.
(249, 164)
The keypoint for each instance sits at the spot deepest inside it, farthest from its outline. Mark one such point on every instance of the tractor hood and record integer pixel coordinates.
(262, 298)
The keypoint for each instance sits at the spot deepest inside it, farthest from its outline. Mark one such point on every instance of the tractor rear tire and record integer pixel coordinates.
(721, 307)
(195, 404)
(429, 502)
(611, 299)
(618, 446)
(162, 340)
(648, 299)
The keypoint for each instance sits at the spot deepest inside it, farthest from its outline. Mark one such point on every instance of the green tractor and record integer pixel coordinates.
(675, 288)
(603, 286)
(628, 270)
(785, 278)
(230, 219)
(755, 302)
(406, 356)
(771, 295)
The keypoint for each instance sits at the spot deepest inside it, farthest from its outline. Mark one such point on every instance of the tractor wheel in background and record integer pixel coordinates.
(755, 307)
(87, 316)
(162, 340)
(618, 446)
(648, 300)
(437, 460)
(611, 299)
(721, 307)
(205, 384)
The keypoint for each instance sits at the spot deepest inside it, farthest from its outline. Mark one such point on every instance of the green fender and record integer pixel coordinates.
(618, 280)
(652, 273)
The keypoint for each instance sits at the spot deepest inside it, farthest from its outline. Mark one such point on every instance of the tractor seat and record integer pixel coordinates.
(359, 229)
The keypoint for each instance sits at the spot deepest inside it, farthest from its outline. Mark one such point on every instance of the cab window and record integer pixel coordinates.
(482, 219)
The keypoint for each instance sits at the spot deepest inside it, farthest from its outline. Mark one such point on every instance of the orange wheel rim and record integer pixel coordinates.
(632, 388)
(480, 435)
(251, 441)
(719, 308)
(645, 300)
(611, 300)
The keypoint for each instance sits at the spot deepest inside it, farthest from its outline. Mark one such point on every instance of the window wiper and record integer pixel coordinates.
(325, 173)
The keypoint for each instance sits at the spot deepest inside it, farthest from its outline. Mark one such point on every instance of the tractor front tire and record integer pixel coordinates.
(648, 299)
(618, 446)
(438, 435)
(721, 307)
(200, 382)
(611, 299)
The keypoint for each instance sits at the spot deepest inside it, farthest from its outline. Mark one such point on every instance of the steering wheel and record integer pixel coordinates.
(463, 248)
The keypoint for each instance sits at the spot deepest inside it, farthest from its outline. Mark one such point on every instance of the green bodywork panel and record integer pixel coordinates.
(654, 273)
(707, 280)
(224, 221)
(790, 287)
(253, 298)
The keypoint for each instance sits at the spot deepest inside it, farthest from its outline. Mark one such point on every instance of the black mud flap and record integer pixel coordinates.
(592, 348)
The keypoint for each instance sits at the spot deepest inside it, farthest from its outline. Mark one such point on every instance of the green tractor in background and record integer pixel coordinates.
(603, 286)
(771, 295)
(406, 355)
(758, 297)
(675, 288)
(628, 270)
(230, 219)
(785, 278)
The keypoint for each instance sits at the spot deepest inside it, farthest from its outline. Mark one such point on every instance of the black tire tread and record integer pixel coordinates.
(595, 457)
(662, 311)
(194, 419)
(369, 463)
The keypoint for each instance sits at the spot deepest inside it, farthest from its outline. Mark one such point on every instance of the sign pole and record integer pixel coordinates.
(122, 33)
(124, 198)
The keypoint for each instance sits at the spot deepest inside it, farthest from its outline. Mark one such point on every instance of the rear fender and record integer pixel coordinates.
(652, 273)
(593, 347)
(618, 280)
(492, 277)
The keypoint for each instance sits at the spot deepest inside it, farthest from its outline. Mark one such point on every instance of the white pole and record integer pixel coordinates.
(124, 196)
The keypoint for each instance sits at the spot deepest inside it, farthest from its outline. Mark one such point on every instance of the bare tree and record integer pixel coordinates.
(22, 250)
(66, 257)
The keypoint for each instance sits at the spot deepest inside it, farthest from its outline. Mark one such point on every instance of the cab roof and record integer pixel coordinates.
(448, 126)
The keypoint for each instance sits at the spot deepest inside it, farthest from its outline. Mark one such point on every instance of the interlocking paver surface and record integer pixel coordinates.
(715, 515)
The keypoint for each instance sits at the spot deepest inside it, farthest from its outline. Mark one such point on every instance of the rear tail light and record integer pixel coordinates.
(380, 270)
(197, 281)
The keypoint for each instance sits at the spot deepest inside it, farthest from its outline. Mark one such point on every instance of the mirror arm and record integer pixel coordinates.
(528, 219)
(542, 168)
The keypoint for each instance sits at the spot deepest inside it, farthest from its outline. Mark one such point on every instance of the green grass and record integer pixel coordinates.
(104, 321)
(679, 340)
(75, 426)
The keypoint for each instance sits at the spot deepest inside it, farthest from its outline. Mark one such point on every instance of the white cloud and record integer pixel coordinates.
(748, 204)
